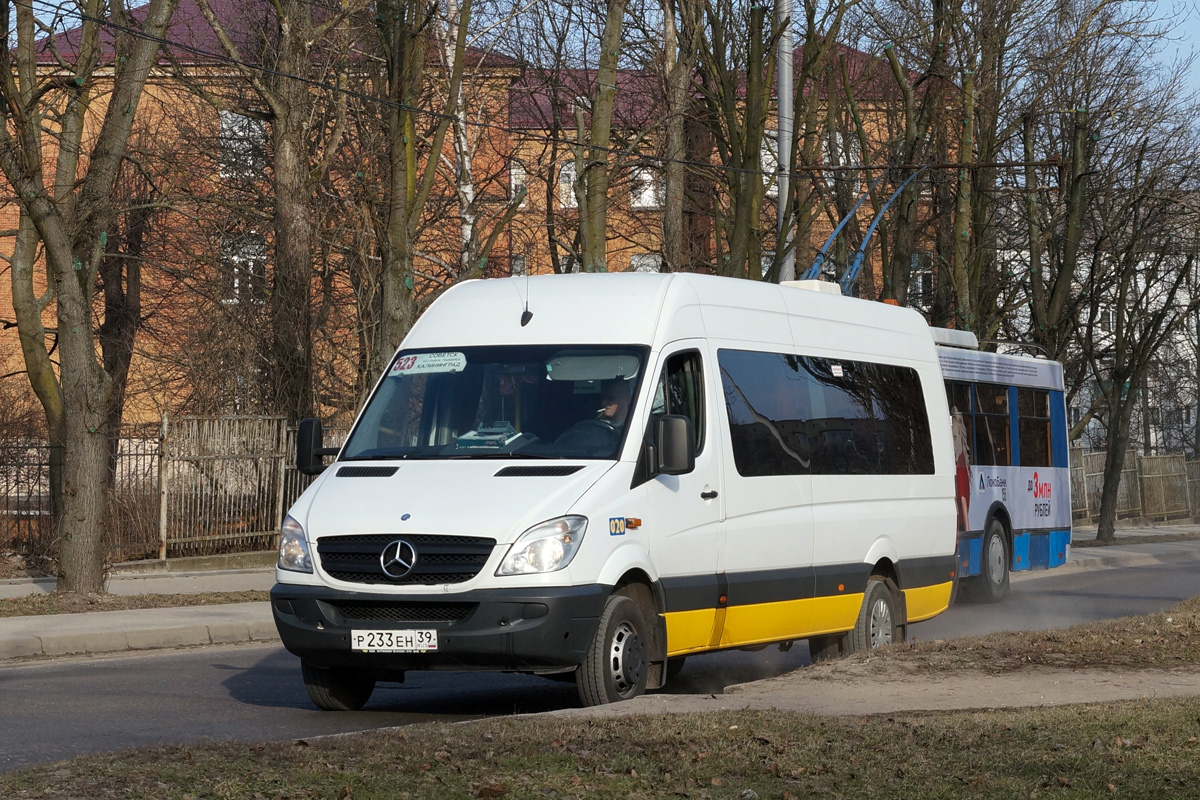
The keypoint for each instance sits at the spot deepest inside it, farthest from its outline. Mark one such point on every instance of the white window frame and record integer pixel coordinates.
(769, 160)
(518, 179)
(242, 143)
(566, 185)
(645, 262)
(848, 154)
(647, 188)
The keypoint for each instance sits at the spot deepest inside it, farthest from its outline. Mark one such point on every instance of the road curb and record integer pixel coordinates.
(134, 631)
(1110, 561)
(79, 644)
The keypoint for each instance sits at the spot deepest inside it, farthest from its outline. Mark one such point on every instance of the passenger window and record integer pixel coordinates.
(796, 415)
(992, 438)
(680, 391)
(1034, 427)
(767, 400)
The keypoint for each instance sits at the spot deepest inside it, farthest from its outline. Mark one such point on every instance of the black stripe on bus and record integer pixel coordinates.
(690, 593)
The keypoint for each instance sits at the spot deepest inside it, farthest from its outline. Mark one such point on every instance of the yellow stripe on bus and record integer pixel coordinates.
(927, 601)
(694, 631)
(690, 631)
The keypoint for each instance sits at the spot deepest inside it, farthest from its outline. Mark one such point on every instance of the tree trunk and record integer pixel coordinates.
(594, 219)
(1114, 462)
(290, 307)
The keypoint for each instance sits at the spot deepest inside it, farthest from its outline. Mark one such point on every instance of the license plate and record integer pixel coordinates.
(405, 641)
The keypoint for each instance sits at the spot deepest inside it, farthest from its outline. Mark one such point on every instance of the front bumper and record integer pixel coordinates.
(511, 630)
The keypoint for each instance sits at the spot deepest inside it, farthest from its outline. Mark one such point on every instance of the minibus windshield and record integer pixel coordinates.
(530, 401)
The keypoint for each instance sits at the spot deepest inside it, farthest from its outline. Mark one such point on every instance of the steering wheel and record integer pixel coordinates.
(590, 433)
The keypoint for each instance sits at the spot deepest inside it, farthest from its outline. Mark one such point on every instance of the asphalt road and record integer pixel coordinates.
(57, 709)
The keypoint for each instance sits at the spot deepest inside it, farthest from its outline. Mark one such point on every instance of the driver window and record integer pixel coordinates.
(680, 390)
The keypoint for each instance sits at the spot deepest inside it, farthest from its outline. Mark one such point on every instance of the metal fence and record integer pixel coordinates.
(194, 486)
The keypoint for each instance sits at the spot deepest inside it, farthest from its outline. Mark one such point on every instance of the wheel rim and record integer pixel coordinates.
(995, 559)
(626, 659)
(881, 624)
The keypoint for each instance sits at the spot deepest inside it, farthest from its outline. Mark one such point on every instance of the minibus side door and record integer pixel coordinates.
(691, 506)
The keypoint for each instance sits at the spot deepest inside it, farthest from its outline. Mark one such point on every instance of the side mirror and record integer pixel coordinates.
(309, 449)
(676, 445)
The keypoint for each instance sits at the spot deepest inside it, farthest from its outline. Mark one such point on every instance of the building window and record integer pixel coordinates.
(766, 260)
(570, 264)
(517, 180)
(516, 265)
(920, 289)
(243, 146)
(648, 189)
(842, 150)
(243, 267)
(769, 162)
(566, 185)
(645, 262)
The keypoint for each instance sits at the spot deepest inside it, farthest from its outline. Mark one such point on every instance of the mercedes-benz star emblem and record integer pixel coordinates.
(398, 558)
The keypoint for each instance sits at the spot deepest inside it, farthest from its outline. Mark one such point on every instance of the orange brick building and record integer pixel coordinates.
(207, 253)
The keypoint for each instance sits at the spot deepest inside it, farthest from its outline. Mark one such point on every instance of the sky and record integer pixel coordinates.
(1184, 39)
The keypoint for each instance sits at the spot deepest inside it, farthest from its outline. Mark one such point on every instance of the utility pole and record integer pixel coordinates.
(783, 143)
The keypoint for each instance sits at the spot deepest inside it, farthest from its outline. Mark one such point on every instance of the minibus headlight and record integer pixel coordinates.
(293, 547)
(546, 547)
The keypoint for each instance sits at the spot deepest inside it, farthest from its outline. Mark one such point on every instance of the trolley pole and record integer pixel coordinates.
(785, 117)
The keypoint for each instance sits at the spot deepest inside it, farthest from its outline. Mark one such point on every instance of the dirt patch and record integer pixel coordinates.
(18, 565)
(34, 604)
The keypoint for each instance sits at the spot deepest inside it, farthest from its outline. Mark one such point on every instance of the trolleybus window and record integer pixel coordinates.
(1033, 406)
(992, 445)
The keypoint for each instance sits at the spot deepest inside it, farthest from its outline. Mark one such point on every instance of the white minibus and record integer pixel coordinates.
(596, 476)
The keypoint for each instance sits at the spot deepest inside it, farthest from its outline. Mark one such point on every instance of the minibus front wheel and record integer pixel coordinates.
(617, 662)
(337, 688)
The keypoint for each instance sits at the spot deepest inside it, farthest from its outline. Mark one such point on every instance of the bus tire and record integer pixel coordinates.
(878, 622)
(991, 584)
(617, 662)
(336, 688)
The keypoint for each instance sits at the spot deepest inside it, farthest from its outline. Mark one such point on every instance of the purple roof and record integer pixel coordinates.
(193, 41)
(542, 97)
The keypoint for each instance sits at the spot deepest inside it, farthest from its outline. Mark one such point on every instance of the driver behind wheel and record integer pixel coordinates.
(614, 400)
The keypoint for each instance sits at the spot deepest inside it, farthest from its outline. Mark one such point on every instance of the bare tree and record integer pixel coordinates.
(285, 75)
(736, 71)
(66, 224)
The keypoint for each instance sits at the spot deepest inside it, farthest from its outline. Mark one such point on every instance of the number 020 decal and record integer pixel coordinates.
(616, 526)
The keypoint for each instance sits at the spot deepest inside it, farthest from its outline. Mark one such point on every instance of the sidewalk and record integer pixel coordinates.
(121, 631)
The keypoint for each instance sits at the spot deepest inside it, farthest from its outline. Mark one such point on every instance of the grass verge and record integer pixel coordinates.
(1141, 749)
(33, 604)
(1162, 641)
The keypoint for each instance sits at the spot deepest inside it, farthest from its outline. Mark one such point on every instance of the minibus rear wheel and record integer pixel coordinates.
(617, 662)
(877, 624)
(337, 688)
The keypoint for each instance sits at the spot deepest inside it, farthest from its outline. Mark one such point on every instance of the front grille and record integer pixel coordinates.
(439, 559)
(375, 611)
